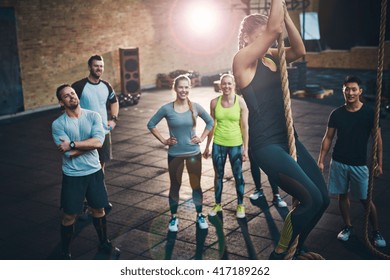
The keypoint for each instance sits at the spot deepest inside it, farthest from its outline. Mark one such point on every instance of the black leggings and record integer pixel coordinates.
(256, 176)
(302, 180)
(194, 168)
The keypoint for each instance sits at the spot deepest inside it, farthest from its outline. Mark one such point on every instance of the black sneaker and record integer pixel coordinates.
(108, 248)
(300, 252)
(277, 256)
(108, 208)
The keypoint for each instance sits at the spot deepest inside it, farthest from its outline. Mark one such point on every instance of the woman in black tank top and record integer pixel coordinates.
(258, 77)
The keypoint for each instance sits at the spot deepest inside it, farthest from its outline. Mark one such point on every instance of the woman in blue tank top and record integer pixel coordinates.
(258, 77)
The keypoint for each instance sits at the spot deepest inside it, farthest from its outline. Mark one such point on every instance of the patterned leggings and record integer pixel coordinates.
(219, 155)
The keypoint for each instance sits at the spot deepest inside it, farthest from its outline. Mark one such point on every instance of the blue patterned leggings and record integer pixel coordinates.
(219, 155)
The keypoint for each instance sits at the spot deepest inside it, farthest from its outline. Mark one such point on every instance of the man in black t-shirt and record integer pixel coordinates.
(354, 123)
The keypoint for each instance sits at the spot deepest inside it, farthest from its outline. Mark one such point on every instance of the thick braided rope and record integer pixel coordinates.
(286, 97)
(289, 120)
(290, 134)
(376, 126)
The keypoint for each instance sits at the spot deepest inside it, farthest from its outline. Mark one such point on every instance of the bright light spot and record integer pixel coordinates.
(202, 17)
(201, 26)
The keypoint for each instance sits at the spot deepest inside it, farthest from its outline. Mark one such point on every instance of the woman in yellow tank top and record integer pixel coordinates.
(230, 133)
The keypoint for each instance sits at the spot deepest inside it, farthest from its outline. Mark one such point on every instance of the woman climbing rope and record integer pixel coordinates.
(258, 77)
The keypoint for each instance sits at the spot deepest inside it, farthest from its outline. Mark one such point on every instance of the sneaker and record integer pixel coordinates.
(108, 208)
(299, 252)
(173, 224)
(379, 241)
(278, 201)
(108, 248)
(345, 234)
(257, 194)
(240, 211)
(200, 219)
(277, 256)
(214, 211)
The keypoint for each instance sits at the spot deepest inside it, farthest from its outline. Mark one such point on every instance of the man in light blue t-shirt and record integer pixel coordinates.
(94, 94)
(77, 134)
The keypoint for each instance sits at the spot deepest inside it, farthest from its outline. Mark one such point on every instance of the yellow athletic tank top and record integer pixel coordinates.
(228, 130)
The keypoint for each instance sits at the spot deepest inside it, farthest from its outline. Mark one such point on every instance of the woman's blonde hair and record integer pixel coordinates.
(174, 85)
(248, 25)
(227, 75)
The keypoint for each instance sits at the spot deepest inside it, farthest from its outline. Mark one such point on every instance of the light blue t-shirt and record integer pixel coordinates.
(95, 97)
(88, 125)
(181, 127)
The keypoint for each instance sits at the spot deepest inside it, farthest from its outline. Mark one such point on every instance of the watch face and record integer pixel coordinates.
(72, 145)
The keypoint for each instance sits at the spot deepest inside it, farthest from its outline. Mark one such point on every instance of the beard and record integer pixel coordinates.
(95, 75)
(73, 106)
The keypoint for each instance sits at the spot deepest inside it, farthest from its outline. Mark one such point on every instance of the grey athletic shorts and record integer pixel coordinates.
(344, 178)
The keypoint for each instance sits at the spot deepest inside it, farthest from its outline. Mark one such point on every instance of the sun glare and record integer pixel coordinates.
(202, 17)
(201, 26)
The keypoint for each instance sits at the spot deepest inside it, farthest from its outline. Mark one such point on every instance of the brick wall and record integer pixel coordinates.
(57, 37)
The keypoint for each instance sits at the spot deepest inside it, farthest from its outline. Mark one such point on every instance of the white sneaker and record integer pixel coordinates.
(200, 219)
(256, 195)
(278, 201)
(379, 241)
(173, 224)
(345, 234)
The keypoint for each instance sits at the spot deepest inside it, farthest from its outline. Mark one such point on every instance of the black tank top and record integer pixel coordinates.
(264, 99)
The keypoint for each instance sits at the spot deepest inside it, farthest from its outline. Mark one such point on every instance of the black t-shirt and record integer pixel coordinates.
(353, 131)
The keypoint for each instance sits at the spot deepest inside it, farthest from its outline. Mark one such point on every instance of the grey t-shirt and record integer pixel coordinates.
(88, 125)
(181, 127)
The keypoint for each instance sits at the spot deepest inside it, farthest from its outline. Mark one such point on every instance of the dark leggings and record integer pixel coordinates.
(219, 155)
(194, 168)
(303, 181)
(256, 176)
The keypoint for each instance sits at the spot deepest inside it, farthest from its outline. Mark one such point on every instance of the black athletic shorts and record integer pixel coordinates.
(76, 188)
(105, 152)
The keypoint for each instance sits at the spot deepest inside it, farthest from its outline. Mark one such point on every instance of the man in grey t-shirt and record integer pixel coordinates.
(77, 134)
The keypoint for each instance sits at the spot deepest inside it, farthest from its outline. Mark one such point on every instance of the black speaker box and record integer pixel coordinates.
(130, 76)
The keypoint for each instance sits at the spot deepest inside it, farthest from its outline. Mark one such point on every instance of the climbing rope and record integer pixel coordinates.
(374, 159)
(290, 134)
(291, 139)
(286, 97)
(289, 119)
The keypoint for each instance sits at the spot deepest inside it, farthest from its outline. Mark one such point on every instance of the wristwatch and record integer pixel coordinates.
(72, 145)
(114, 118)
